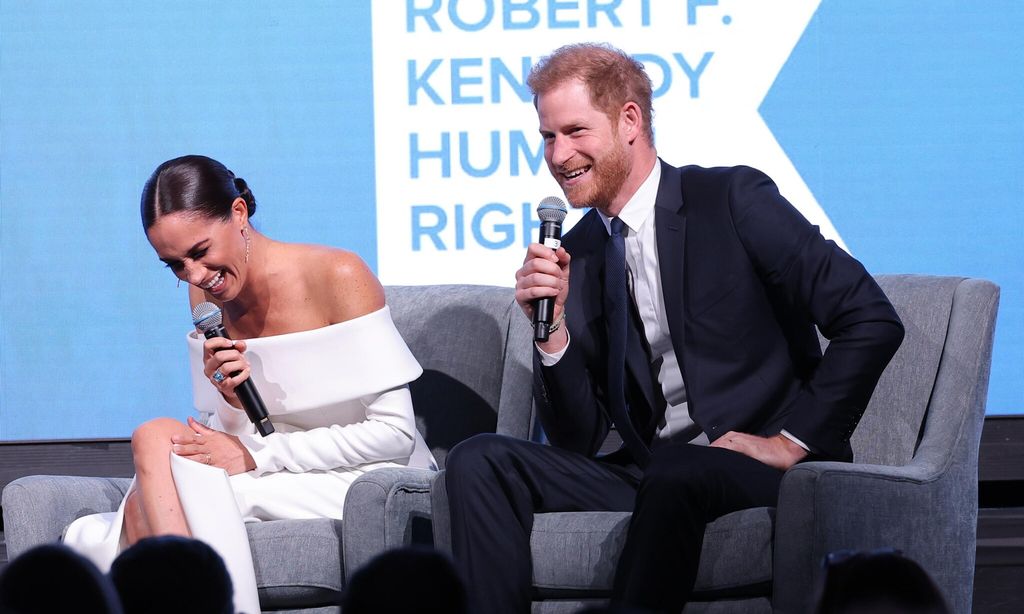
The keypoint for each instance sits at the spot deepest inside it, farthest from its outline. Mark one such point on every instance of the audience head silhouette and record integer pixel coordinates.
(880, 582)
(406, 581)
(149, 577)
(54, 578)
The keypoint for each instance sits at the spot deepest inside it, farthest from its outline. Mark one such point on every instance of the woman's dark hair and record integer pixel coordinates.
(196, 184)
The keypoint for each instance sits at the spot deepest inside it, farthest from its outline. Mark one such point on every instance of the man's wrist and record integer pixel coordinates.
(794, 451)
(557, 323)
(552, 350)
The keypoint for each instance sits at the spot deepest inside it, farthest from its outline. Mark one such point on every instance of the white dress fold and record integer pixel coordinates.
(339, 400)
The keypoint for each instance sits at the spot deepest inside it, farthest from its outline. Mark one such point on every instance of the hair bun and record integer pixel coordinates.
(246, 194)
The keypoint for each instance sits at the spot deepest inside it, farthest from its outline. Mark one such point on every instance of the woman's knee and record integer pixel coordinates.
(154, 437)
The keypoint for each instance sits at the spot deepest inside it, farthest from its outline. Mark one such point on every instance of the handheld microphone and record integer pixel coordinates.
(551, 212)
(209, 321)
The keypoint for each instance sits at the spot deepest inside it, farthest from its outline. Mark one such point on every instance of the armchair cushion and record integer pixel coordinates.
(577, 551)
(38, 508)
(312, 550)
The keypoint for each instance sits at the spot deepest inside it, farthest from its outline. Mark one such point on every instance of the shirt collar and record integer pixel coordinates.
(639, 207)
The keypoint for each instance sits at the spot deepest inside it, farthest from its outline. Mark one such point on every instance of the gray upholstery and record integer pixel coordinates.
(737, 546)
(917, 490)
(38, 507)
(913, 484)
(474, 345)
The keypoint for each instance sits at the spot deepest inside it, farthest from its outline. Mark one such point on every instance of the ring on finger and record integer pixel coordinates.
(209, 458)
(217, 377)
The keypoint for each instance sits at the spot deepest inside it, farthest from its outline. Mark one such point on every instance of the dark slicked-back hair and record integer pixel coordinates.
(193, 184)
(612, 77)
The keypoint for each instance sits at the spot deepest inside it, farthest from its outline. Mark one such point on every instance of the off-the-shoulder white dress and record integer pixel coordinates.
(340, 404)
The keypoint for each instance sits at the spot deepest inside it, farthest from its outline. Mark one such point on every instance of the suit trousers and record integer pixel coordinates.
(496, 484)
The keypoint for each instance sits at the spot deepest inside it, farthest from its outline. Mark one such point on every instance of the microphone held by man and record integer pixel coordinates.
(551, 212)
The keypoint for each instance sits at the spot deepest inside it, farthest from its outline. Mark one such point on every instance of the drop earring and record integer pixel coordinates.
(248, 242)
(179, 282)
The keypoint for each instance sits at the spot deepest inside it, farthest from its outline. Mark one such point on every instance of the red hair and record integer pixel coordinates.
(612, 78)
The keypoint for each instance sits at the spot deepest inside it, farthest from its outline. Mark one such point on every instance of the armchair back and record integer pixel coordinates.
(913, 394)
(474, 345)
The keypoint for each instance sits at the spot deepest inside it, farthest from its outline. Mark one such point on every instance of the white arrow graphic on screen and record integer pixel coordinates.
(749, 42)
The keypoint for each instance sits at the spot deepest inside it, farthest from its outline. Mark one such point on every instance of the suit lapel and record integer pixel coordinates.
(670, 231)
(588, 262)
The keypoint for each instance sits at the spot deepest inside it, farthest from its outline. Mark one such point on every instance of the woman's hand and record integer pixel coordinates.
(213, 448)
(226, 367)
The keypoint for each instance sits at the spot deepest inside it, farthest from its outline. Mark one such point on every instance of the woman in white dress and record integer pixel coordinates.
(312, 332)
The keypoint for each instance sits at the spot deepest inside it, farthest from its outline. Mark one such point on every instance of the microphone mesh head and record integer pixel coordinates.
(206, 316)
(551, 209)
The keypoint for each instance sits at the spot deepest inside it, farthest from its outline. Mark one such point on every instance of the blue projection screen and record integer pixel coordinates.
(403, 130)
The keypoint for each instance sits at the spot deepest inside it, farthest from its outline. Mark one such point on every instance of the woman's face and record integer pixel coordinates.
(207, 253)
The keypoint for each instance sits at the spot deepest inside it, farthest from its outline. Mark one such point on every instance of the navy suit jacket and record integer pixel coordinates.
(745, 279)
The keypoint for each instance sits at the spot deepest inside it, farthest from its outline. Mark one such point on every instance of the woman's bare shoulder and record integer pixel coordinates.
(342, 282)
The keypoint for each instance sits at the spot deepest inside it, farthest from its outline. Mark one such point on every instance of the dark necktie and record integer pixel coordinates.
(616, 306)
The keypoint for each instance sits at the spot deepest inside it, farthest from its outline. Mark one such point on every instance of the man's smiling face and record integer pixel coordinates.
(582, 147)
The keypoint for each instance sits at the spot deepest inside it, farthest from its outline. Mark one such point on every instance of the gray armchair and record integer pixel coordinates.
(912, 485)
(474, 346)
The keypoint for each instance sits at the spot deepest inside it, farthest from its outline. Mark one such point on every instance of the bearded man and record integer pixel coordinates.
(689, 318)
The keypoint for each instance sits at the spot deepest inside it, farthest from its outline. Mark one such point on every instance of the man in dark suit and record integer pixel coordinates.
(690, 313)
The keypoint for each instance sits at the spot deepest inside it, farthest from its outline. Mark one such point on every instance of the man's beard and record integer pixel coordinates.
(608, 174)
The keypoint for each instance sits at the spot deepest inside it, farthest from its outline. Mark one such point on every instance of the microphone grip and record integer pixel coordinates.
(544, 308)
(254, 407)
(247, 394)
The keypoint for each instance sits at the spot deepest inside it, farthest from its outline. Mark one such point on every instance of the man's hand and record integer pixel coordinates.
(545, 273)
(776, 451)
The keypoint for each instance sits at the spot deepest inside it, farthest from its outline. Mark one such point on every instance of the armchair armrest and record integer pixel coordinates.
(38, 508)
(928, 514)
(384, 509)
(441, 512)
